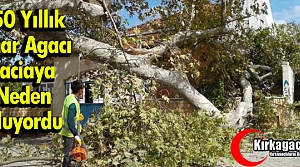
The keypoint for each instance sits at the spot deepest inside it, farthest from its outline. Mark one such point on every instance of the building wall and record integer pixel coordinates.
(66, 67)
(255, 20)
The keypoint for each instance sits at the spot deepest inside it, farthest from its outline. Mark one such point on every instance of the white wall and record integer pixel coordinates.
(255, 20)
(66, 67)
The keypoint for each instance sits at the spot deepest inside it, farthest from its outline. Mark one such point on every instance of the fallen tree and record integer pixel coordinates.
(226, 41)
(141, 64)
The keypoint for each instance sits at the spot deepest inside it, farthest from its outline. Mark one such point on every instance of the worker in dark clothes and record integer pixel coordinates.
(71, 115)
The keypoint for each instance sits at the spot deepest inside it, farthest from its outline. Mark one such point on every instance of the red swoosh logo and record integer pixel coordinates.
(236, 152)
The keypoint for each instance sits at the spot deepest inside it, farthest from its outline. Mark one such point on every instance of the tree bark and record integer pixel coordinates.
(238, 118)
(65, 6)
(139, 64)
(247, 98)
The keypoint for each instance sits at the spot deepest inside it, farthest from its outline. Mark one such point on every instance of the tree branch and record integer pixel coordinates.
(200, 35)
(223, 12)
(262, 67)
(237, 19)
(97, 51)
(26, 159)
(251, 70)
(266, 76)
(254, 74)
(182, 36)
(245, 107)
(65, 6)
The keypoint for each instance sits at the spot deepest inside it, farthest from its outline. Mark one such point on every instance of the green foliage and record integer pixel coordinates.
(290, 131)
(14, 86)
(147, 137)
(132, 132)
(139, 134)
(14, 150)
(271, 46)
(264, 113)
(215, 91)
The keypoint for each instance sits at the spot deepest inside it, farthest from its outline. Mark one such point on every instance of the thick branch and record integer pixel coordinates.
(262, 67)
(266, 76)
(182, 36)
(176, 80)
(97, 51)
(65, 6)
(223, 13)
(252, 71)
(254, 74)
(247, 95)
(245, 107)
(200, 35)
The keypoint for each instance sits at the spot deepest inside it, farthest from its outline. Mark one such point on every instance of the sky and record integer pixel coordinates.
(283, 11)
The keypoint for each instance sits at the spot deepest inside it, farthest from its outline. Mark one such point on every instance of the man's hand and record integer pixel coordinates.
(81, 117)
(77, 138)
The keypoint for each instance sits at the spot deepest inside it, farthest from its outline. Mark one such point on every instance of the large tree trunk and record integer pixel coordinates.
(175, 80)
(245, 107)
(139, 64)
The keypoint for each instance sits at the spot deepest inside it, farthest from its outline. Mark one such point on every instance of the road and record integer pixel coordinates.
(270, 161)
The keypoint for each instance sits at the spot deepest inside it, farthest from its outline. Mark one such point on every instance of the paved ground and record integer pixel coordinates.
(272, 161)
(255, 156)
(35, 140)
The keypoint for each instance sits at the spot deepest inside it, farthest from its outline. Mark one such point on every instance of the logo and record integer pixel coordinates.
(286, 88)
(276, 148)
(236, 152)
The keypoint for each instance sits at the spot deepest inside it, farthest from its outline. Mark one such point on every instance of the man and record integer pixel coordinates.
(71, 116)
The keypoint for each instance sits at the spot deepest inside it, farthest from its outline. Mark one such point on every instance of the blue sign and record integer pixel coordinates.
(286, 87)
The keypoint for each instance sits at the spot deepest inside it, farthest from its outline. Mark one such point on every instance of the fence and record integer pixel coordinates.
(87, 110)
(282, 113)
(174, 103)
(278, 104)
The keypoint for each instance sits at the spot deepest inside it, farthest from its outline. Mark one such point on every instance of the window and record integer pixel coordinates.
(50, 87)
(87, 96)
(68, 88)
(100, 97)
(45, 87)
(88, 93)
